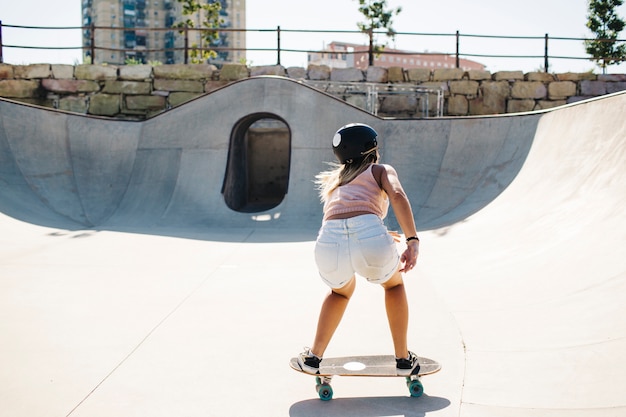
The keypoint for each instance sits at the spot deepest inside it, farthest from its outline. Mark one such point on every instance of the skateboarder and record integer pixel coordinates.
(353, 239)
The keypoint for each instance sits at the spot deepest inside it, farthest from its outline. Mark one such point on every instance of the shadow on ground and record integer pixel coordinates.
(369, 407)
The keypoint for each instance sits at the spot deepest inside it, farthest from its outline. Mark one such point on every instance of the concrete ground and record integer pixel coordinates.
(522, 302)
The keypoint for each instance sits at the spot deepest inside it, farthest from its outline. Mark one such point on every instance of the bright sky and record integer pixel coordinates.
(531, 18)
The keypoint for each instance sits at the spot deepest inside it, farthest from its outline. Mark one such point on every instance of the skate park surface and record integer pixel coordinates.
(128, 287)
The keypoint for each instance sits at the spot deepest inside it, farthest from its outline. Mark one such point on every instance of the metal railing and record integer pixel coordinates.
(545, 54)
(373, 93)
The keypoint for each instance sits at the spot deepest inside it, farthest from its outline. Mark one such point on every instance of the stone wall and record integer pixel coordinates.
(141, 91)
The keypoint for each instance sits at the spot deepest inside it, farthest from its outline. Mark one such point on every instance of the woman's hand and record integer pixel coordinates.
(409, 256)
(396, 236)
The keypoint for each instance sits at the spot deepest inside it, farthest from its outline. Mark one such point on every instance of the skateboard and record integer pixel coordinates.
(370, 366)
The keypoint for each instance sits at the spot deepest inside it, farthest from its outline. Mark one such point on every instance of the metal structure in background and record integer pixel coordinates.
(369, 96)
(545, 54)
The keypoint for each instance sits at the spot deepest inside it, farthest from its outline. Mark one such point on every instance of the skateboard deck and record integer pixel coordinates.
(366, 366)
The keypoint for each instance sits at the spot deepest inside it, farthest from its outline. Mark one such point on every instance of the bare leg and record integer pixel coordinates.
(331, 314)
(397, 313)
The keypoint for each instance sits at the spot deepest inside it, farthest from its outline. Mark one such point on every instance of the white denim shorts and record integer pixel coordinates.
(359, 245)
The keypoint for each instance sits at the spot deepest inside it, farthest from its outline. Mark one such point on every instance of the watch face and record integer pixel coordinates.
(336, 139)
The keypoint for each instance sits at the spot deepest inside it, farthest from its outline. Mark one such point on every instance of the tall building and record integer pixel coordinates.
(344, 55)
(141, 31)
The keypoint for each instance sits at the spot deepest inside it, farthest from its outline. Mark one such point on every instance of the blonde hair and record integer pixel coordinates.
(341, 174)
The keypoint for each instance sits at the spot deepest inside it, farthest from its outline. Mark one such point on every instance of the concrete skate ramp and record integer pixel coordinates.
(194, 167)
(519, 290)
(537, 280)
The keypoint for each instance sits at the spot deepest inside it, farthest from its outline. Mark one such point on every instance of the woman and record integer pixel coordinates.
(353, 239)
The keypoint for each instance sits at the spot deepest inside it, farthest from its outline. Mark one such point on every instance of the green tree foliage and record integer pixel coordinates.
(377, 16)
(604, 22)
(209, 12)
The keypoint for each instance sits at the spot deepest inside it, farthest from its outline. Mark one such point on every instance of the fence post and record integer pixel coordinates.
(458, 61)
(545, 55)
(186, 58)
(371, 48)
(278, 45)
(1, 58)
(92, 41)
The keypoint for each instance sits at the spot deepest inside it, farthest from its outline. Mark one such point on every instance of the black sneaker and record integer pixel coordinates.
(309, 362)
(408, 366)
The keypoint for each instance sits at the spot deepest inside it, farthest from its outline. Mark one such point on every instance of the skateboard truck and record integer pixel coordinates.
(325, 390)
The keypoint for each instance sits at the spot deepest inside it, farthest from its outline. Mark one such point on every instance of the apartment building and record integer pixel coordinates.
(141, 31)
(347, 55)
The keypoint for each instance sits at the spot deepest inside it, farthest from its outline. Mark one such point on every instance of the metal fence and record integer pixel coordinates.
(369, 96)
(462, 43)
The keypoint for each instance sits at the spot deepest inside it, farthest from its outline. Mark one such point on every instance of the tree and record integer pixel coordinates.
(606, 25)
(209, 16)
(378, 16)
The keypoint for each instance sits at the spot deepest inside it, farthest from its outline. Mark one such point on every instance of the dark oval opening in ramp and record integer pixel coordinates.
(257, 172)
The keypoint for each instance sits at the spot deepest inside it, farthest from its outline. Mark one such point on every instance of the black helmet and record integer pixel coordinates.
(354, 141)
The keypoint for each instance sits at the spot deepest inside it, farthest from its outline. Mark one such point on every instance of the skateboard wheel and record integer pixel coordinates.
(415, 387)
(324, 390)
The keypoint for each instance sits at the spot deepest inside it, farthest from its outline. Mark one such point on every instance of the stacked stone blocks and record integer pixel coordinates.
(141, 91)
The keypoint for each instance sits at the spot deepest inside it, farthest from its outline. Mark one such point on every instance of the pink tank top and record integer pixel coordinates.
(361, 194)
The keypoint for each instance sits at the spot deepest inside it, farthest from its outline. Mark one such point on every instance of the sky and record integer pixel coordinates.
(530, 18)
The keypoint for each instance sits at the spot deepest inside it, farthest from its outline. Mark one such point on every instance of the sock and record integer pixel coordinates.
(313, 354)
